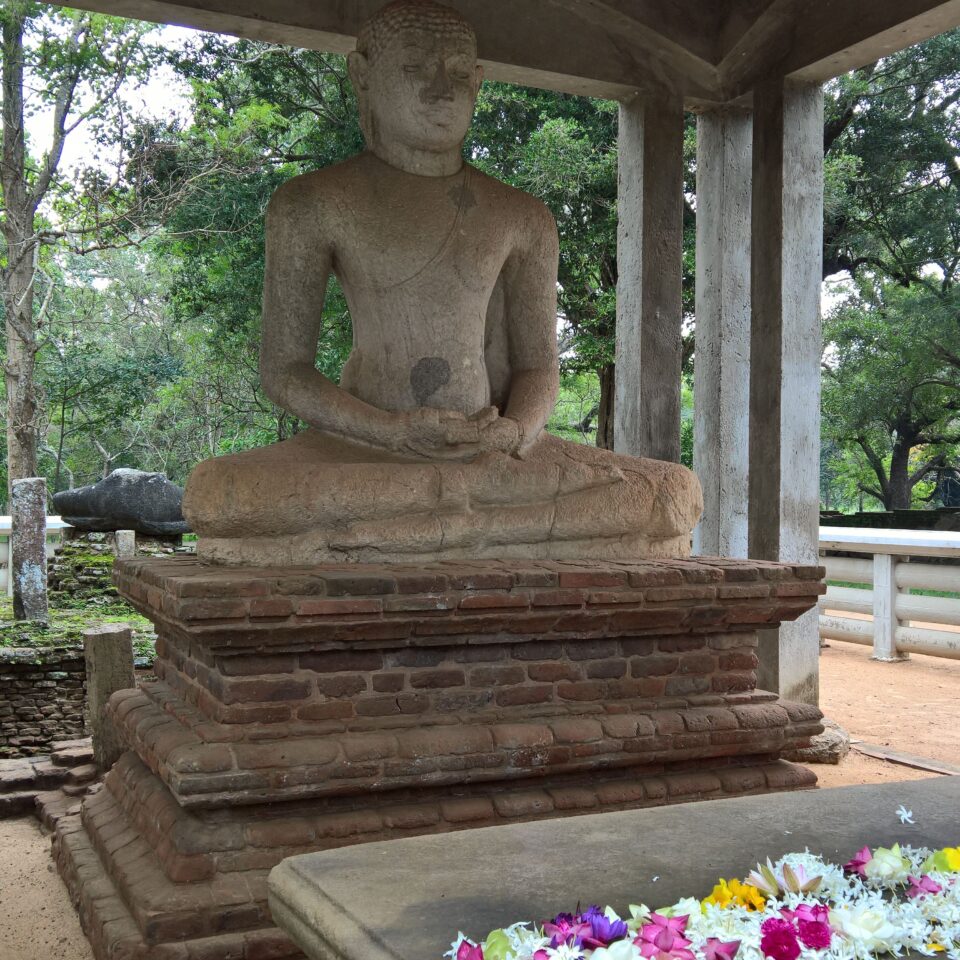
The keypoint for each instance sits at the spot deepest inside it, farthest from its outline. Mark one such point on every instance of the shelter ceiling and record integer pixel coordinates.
(701, 50)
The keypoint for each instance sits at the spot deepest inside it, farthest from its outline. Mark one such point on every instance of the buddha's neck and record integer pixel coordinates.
(422, 163)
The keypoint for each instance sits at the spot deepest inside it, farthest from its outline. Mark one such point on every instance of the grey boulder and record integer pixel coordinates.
(125, 500)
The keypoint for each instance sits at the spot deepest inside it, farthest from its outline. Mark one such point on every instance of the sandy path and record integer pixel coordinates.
(912, 705)
(37, 920)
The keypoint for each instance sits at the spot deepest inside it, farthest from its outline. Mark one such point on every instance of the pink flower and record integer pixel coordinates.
(662, 938)
(779, 939)
(860, 859)
(469, 951)
(923, 886)
(815, 933)
(565, 928)
(715, 949)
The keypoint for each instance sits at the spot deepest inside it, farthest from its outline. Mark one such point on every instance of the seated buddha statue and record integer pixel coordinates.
(433, 445)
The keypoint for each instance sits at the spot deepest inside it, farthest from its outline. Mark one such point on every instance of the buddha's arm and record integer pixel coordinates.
(299, 259)
(530, 276)
(298, 264)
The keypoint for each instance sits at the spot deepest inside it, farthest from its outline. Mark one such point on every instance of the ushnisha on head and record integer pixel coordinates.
(416, 76)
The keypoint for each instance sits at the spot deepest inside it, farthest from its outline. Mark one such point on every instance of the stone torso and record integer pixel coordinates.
(419, 314)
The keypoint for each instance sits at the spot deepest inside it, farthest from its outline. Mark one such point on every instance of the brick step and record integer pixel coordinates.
(16, 803)
(72, 753)
(112, 931)
(30, 774)
(287, 767)
(82, 774)
(53, 805)
(193, 845)
(111, 866)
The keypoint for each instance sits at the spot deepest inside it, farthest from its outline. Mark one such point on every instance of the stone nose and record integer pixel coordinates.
(439, 87)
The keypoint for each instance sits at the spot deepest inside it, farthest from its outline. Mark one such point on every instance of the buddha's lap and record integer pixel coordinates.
(318, 480)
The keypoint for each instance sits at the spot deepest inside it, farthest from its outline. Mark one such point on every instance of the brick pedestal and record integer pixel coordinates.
(302, 709)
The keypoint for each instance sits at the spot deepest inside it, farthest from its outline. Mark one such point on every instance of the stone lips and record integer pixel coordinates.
(304, 709)
(125, 500)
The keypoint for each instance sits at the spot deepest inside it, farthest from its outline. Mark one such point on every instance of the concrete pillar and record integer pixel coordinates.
(108, 654)
(649, 268)
(787, 236)
(722, 360)
(28, 540)
(885, 620)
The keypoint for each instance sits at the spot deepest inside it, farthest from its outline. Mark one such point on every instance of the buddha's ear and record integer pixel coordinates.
(479, 79)
(358, 67)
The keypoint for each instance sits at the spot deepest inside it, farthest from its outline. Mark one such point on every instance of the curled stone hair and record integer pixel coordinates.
(387, 23)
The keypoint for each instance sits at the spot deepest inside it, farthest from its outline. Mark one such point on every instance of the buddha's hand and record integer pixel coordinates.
(504, 434)
(439, 434)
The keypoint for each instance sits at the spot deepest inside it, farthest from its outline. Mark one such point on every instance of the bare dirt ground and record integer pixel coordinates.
(37, 920)
(913, 707)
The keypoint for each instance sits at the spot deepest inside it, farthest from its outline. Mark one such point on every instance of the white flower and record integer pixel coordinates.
(866, 925)
(565, 951)
(621, 950)
(639, 914)
(905, 815)
(887, 865)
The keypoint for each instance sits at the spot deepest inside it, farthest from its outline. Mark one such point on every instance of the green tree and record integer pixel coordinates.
(75, 65)
(886, 392)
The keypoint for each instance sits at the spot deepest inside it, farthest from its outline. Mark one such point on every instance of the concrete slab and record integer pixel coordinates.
(406, 899)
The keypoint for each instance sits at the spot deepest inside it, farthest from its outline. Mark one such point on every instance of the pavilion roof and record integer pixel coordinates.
(703, 50)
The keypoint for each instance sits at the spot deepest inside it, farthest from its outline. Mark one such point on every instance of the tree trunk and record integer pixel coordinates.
(605, 413)
(899, 488)
(18, 274)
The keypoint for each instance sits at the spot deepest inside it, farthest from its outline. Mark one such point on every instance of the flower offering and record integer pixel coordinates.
(898, 900)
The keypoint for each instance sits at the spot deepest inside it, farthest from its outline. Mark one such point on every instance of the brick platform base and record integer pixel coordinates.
(300, 710)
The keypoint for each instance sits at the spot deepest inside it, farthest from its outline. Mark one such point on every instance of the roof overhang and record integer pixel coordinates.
(706, 51)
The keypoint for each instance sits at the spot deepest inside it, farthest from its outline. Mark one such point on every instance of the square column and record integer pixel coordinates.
(649, 267)
(785, 348)
(722, 380)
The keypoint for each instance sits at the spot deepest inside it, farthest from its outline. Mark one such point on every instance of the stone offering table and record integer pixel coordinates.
(299, 709)
(407, 900)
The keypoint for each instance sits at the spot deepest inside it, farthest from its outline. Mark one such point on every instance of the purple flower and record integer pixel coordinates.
(860, 859)
(925, 885)
(604, 931)
(715, 949)
(779, 939)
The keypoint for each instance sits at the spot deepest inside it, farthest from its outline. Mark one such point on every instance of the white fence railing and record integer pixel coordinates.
(55, 528)
(887, 616)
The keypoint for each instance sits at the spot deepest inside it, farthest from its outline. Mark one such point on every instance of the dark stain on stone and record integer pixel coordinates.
(427, 376)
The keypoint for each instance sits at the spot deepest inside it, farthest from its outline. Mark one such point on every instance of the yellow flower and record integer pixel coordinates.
(936, 947)
(946, 860)
(734, 893)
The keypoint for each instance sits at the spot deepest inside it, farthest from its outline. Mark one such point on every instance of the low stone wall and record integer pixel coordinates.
(41, 698)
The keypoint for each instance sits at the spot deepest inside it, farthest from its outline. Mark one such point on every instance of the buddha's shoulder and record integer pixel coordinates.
(514, 203)
(320, 190)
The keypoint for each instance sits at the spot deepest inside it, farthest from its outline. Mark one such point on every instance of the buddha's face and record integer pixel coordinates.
(419, 90)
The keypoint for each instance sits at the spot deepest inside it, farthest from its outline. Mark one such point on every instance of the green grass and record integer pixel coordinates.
(66, 625)
(913, 592)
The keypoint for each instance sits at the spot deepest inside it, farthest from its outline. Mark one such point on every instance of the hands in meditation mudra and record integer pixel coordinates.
(433, 445)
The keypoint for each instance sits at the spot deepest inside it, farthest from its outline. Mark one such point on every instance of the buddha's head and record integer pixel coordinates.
(416, 76)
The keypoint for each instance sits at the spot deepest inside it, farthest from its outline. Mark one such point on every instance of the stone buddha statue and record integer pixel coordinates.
(432, 446)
